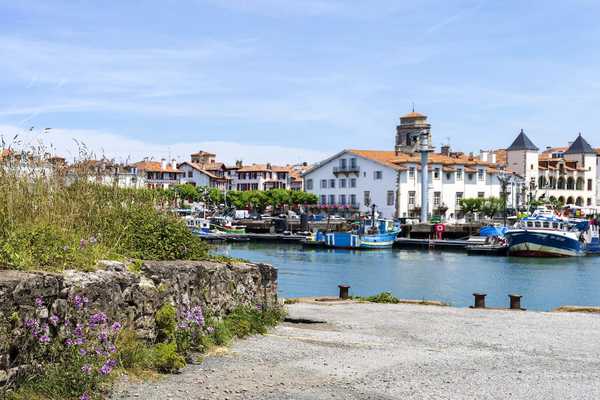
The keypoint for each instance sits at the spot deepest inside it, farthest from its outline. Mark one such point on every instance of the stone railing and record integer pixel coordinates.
(128, 297)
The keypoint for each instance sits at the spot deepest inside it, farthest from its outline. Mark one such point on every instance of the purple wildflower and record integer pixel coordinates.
(82, 243)
(112, 348)
(54, 320)
(93, 240)
(44, 339)
(69, 342)
(80, 301)
(39, 302)
(102, 337)
(79, 330)
(107, 367)
(195, 316)
(82, 352)
(31, 323)
(97, 319)
(79, 341)
(116, 327)
(84, 396)
(86, 369)
(210, 330)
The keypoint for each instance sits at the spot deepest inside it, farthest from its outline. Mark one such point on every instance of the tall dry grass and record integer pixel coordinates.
(55, 217)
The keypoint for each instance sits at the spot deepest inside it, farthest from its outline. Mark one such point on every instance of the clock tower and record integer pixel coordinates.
(408, 132)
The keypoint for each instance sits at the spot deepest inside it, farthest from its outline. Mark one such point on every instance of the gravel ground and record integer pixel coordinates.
(376, 351)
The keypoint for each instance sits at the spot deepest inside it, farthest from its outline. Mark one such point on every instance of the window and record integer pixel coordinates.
(332, 183)
(481, 195)
(352, 182)
(323, 199)
(353, 163)
(367, 198)
(411, 173)
(343, 163)
(459, 174)
(390, 198)
(589, 201)
(589, 185)
(411, 198)
(342, 183)
(309, 184)
(459, 197)
(377, 175)
(332, 199)
(353, 199)
(343, 199)
(470, 177)
(481, 174)
(323, 183)
(436, 173)
(190, 174)
(448, 176)
(437, 199)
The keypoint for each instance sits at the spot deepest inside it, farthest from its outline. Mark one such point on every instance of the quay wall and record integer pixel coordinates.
(131, 298)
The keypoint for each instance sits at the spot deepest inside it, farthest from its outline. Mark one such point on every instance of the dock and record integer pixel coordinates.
(432, 243)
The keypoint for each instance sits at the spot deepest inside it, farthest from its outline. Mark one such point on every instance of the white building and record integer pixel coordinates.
(204, 170)
(259, 177)
(569, 175)
(158, 175)
(354, 180)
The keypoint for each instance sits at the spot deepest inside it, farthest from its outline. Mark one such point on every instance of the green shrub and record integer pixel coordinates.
(166, 323)
(166, 359)
(383, 297)
(133, 354)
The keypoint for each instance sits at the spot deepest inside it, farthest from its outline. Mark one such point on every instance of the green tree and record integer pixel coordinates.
(470, 206)
(277, 198)
(187, 192)
(491, 206)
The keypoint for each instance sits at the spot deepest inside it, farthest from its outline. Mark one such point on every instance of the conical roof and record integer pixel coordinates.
(580, 146)
(522, 142)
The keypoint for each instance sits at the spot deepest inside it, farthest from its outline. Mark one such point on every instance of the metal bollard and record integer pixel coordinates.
(515, 301)
(344, 291)
(479, 300)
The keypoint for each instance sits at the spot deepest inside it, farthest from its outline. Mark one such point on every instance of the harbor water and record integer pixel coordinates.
(451, 277)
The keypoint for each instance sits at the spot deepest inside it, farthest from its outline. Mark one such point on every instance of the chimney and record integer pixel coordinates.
(238, 163)
(483, 155)
(269, 166)
(174, 163)
(471, 156)
(445, 150)
(163, 163)
(145, 159)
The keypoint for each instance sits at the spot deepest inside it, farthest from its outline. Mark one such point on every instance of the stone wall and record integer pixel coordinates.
(132, 298)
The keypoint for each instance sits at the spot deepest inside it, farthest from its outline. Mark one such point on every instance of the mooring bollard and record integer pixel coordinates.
(515, 301)
(479, 300)
(344, 291)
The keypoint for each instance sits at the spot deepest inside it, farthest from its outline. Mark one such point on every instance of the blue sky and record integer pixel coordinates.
(295, 80)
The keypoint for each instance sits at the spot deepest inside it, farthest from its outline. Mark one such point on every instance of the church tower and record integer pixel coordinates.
(407, 133)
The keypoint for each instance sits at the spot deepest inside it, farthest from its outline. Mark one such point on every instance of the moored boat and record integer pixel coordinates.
(378, 235)
(545, 235)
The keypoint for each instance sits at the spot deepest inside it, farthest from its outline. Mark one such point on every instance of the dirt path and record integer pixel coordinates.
(373, 351)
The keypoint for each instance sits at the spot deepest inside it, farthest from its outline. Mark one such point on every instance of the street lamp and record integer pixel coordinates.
(424, 148)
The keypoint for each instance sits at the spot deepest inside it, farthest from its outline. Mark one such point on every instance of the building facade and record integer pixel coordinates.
(204, 170)
(355, 180)
(159, 175)
(259, 177)
(569, 175)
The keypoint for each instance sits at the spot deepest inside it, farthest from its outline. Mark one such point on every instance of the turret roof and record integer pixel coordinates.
(522, 142)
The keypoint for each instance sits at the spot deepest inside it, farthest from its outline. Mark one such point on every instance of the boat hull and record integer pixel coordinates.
(525, 243)
(346, 240)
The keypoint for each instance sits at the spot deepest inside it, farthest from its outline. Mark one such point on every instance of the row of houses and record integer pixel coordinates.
(202, 170)
(355, 180)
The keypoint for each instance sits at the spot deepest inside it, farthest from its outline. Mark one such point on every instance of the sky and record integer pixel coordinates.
(288, 81)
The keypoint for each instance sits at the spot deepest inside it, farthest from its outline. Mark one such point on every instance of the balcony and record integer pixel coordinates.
(346, 169)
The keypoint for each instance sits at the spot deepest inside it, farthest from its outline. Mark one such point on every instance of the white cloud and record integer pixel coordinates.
(66, 142)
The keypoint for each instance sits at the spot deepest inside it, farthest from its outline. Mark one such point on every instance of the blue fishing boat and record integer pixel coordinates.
(546, 235)
(378, 235)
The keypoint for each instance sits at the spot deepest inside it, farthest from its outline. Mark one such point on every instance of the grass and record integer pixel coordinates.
(383, 297)
(64, 219)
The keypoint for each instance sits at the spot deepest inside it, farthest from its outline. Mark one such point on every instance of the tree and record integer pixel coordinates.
(187, 192)
(491, 206)
(471, 205)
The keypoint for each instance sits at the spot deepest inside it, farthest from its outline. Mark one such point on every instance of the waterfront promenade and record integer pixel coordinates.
(381, 352)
